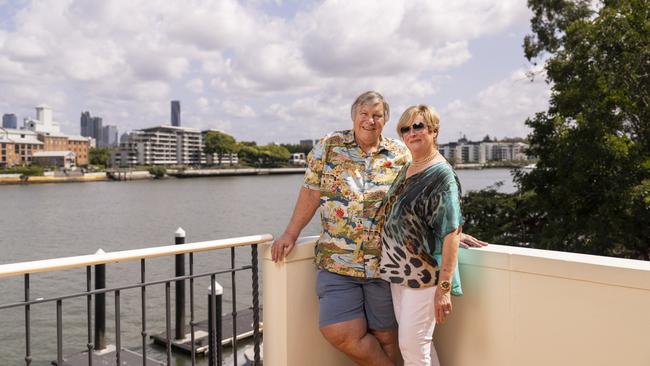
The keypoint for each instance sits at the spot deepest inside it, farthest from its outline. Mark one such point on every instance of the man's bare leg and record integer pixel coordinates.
(352, 338)
(388, 341)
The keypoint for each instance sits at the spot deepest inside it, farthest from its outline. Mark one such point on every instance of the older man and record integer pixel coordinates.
(348, 175)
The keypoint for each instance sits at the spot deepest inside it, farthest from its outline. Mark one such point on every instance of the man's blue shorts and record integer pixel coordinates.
(344, 298)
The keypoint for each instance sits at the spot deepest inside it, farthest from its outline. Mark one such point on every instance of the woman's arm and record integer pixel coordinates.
(442, 299)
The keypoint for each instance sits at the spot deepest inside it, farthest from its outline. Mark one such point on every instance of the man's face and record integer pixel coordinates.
(368, 123)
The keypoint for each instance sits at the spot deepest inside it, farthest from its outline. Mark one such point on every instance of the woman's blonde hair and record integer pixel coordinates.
(430, 116)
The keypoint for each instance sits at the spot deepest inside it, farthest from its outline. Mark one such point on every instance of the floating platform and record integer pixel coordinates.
(107, 358)
(244, 330)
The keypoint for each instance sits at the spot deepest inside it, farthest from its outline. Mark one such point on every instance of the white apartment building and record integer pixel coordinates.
(164, 145)
(161, 145)
(464, 152)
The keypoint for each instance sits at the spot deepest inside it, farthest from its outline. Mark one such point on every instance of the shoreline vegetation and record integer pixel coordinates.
(158, 172)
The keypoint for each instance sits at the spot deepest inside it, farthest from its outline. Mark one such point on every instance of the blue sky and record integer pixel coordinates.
(269, 70)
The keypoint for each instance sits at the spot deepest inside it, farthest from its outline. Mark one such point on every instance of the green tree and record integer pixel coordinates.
(273, 155)
(99, 156)
(501, 217)
(158, 172)
(220, 143)
(297, 148)
(591, 187)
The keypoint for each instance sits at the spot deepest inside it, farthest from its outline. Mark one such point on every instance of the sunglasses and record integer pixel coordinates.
(416, 127)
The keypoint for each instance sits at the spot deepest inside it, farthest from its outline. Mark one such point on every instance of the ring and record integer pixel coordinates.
(446, 312)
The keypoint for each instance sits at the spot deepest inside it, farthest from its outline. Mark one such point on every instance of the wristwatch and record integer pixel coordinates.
(444, 286)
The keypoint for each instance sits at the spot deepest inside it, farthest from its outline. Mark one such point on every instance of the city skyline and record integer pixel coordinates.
(282, 72)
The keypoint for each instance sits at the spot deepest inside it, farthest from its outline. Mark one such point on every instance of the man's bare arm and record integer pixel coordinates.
(306, 206)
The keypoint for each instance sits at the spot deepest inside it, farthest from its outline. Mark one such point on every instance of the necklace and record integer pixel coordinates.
(417, 164)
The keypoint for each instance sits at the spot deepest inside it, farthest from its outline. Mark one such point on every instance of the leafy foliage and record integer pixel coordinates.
(590, 190)
(219, 143)
(99, 156)
(267, 156)
(297, 148)
(158, 172)
(500, 217)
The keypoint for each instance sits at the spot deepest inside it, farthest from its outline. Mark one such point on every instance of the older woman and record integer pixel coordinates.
(420, 237)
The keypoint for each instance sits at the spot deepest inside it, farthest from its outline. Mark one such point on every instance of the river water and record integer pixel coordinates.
(60, 220)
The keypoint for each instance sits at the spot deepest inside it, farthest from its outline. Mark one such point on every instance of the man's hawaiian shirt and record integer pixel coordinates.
(352, 185)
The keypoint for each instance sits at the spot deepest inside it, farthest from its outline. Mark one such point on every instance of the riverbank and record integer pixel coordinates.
(127, 175)
(36, 179)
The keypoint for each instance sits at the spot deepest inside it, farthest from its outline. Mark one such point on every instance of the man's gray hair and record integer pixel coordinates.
(370, 98)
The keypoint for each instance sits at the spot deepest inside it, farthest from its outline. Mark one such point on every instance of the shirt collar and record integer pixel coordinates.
(384, 143)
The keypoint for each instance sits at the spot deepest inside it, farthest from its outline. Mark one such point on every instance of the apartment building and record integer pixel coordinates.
(165, 145)
(464, 151)
(161, 145)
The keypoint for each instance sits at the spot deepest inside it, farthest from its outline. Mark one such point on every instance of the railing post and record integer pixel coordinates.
(28, 341)
(100, 306)
(180, 287)
(256, 306)
(214, 323)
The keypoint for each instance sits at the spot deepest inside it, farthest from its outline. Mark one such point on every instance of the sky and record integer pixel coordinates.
(270, 70)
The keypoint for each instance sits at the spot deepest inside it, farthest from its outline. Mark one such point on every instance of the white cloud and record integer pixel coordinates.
(450, 55)
(195, 86)
(237, 110)
(498, 110)
(460, 20)
(203, 104)
(241, 67)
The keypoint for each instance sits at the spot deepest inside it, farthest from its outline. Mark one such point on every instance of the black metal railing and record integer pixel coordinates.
(179, 280)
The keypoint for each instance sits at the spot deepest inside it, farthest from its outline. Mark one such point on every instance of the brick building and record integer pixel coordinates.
(17, 147)
(79, 145)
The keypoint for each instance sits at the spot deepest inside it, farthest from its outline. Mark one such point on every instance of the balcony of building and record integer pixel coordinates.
(521, 307)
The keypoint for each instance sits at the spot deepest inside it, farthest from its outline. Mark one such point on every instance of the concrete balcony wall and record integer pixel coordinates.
(521, 307)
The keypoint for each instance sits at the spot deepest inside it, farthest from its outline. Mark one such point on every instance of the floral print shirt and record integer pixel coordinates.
(352, 185)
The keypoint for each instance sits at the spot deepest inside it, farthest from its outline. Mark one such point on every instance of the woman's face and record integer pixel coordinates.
(418, 138)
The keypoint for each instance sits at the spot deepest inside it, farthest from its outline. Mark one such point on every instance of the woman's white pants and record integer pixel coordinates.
(415, 313)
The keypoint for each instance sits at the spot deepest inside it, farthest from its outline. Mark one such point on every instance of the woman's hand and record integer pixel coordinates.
(468, 241)
(443, 307)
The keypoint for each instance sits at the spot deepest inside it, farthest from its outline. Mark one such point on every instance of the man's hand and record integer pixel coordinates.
(468, 241)
(282, 247)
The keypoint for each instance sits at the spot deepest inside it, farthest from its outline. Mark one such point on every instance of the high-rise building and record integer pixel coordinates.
(43, 122)
(161, 145)
(176, 113)
(97, 130)
(92, 127)
(84, 123)
(9, 120)
(109, 136)
(44, 113)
